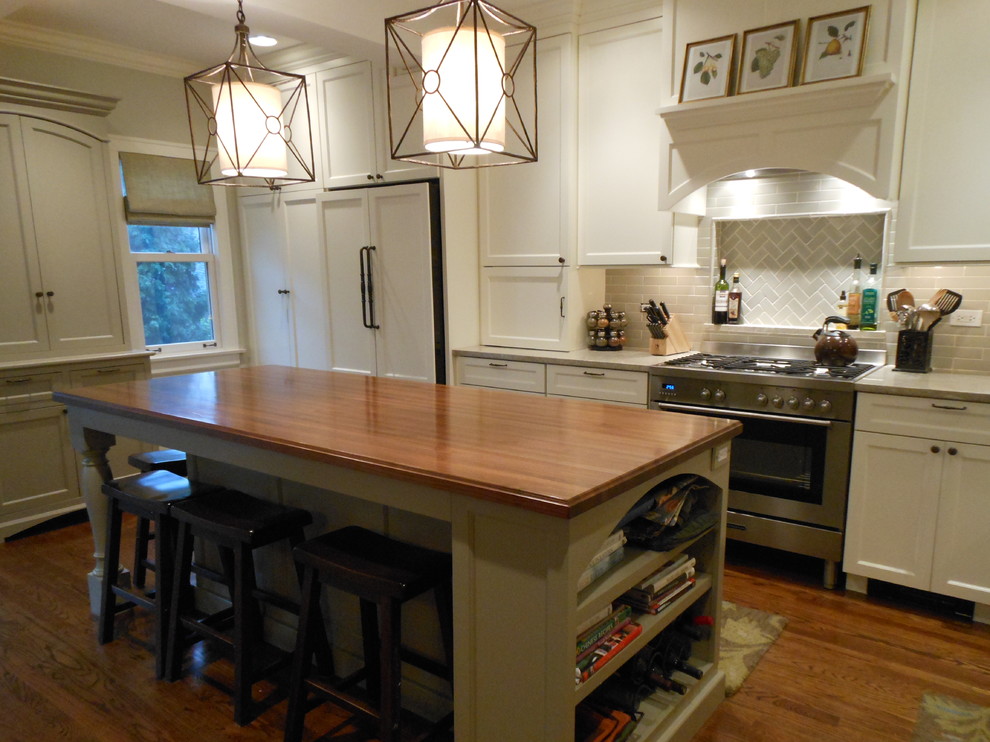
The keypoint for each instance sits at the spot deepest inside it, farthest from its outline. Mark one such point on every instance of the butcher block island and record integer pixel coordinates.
(522, 491)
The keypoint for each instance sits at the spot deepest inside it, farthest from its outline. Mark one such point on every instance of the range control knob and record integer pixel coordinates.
(807, 404)
(706, 393)
(825, 406)
(777, 401)
(792, 402)
(761, 399)
(719, 395)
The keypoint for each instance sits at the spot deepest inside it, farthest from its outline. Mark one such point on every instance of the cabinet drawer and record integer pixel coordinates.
(921, 417)
(107, 374)
(21, 390)
(597, 383)
(522, 376)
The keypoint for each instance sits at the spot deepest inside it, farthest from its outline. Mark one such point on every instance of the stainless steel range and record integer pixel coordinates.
(789, 474)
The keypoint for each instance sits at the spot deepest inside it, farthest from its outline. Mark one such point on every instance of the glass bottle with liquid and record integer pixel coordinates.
(871, 296)
(735, 301)
(720, 299)
(854, 294)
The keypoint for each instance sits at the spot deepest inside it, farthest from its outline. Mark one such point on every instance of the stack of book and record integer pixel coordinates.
(661, 588)
(610, 554)
(605, 639)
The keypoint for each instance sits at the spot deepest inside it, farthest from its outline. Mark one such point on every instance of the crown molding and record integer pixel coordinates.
(25, 93)
(83, 47)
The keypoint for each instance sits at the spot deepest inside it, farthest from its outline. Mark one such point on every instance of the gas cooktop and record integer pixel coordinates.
(792, 367)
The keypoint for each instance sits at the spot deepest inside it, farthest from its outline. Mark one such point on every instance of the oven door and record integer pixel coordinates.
(784, 467)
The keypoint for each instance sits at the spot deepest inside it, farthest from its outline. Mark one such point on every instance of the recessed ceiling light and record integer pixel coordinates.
(262, 40)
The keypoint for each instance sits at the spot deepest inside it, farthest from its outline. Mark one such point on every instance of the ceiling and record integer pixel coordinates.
(198, 33)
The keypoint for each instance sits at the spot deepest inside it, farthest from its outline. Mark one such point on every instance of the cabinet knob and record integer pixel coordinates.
(49, 293)
(663, 258)
(561, 260)
(39, 294)
(935, 449)
(370, 176)
(952, 451)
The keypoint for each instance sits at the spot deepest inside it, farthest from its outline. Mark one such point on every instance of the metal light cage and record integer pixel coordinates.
(465, 39)
(249, 125)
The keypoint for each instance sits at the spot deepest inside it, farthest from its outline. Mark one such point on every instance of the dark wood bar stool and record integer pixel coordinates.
(169, 460)
(150, 496)
(237, 524)
(383, 573)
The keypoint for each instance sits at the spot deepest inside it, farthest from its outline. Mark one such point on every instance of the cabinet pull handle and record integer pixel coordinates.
(21, 380)
(284, 291)
(107, 370)
(952, 451)
(498, 365)
(367, 288)
(935, 449)
(948, 407)
(562, 306)
(594, 373)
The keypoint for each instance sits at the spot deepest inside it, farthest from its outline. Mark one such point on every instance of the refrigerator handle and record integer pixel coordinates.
(367, 289)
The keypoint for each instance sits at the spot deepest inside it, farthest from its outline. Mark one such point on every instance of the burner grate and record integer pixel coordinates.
(759, 365)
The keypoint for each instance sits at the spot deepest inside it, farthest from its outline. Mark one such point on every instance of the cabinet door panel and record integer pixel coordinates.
(526, 210)
(41, 476)
(348, 125)
(263, 236)
(23, 329)
(961, 566)
(344, 226)
(72, 224)
(893, 508)
(307, 279)
(523, 307)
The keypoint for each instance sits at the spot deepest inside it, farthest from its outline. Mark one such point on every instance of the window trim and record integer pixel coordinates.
(225, 317)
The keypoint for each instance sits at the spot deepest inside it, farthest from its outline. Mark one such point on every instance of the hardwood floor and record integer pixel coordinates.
(846, 668)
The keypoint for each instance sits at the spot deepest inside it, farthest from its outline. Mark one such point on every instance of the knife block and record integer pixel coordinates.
(914, 351)
(675, 342)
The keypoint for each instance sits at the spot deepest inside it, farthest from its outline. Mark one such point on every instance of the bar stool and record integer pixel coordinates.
(384, 574)
(150, 496)
(237, 524)
(169, 460)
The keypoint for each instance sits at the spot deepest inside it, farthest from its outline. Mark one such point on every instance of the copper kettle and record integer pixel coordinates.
(834, 347)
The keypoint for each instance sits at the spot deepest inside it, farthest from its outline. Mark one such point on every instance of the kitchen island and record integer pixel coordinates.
(523, 490)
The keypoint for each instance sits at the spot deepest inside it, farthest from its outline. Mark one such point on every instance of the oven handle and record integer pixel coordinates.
(737, 413)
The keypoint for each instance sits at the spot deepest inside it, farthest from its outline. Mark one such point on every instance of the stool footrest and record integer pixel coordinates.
(347, 701)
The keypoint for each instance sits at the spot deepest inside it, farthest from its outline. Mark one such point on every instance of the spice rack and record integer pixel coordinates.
(606, 329)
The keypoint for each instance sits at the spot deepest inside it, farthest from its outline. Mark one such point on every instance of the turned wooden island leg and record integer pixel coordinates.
(92, 446)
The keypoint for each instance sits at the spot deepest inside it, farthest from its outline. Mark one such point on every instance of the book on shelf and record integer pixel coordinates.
(594, 636)
(600, 615)
(613, 543)
(667, 574)
(662, 600)
(602, 654)
(595, 571)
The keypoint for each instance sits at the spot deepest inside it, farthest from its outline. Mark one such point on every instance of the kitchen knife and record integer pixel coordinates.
(665, 312)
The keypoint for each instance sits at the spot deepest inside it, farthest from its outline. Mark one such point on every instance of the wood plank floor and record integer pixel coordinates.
(846, 668)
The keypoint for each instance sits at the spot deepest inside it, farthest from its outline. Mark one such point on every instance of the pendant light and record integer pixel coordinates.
(249, 124)
(461, 86)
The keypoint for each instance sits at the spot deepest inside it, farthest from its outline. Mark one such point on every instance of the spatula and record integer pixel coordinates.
(893, 300)
(946, 301)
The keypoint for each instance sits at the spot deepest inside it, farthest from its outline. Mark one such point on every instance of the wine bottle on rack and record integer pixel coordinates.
(720, 299)
(673, 653)
(647, 668)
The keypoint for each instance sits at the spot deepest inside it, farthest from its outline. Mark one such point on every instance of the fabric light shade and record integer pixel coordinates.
(249, 130)
(164, 191)
(461, 86)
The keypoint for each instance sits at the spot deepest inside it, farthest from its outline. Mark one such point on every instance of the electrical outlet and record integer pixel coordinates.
(644, 306)
(966, 318)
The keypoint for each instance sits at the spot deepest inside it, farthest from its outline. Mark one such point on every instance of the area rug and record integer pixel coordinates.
(948, 719)
(747, 634)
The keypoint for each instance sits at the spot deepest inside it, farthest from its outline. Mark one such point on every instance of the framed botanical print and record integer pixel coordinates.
(768, 58)
(835, 45)
(708, 69)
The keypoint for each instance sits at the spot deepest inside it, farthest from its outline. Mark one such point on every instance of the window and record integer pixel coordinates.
(170, 231)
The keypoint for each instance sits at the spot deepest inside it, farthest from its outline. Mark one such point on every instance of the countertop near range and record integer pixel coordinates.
(942, 384)
(622, 360)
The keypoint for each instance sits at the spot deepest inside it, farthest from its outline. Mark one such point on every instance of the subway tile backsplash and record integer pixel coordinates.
(786, 292)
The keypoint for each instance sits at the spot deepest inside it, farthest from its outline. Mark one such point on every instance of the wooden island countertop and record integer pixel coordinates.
(555, 456)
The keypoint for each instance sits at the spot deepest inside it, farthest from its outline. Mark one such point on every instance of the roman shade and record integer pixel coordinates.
(163, 191)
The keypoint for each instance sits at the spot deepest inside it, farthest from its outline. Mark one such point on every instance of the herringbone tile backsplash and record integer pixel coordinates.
(793, 268)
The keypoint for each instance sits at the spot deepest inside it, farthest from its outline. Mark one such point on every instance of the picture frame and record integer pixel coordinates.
(768, 58)
(708, 69)
(835, 45)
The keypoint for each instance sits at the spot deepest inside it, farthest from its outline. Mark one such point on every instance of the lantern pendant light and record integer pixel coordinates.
(461, 86)
(249, 124)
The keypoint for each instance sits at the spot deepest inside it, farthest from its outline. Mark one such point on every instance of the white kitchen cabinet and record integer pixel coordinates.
(353, 129)
(526, 212)
(539, 308)
(39, 477)
(58, 276)
(286, 267)
(936, 220)
(918, 510)
(621, 153)
(601, 384)
(382, 266)
(496, 373)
